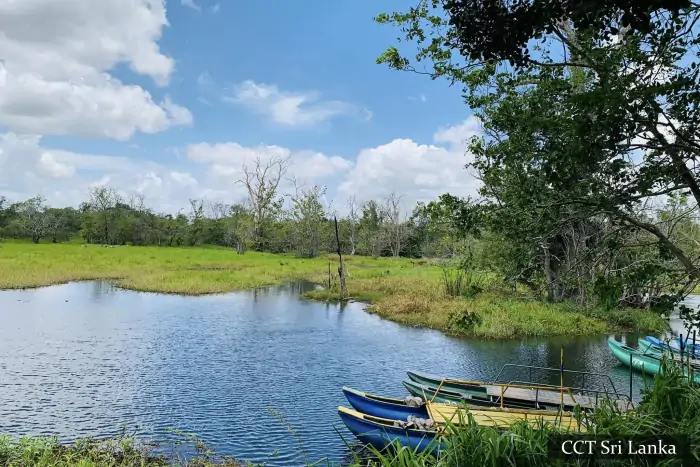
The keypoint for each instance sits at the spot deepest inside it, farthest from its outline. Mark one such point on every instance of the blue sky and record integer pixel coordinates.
(140, 100)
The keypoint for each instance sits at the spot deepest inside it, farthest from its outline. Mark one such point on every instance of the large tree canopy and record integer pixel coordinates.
(501, 29)
(583, 135)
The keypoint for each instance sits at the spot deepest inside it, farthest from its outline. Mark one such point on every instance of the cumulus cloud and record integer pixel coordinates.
(291, 108)
(419, 172)
(56, 61)
(210, 171)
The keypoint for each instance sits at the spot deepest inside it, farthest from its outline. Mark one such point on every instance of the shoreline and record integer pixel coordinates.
(401, 290)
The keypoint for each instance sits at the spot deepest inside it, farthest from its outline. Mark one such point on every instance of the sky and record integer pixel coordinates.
(171, 99)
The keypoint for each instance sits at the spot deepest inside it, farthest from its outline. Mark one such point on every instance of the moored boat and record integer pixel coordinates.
(648, 348)
(645, 363)
(673, 346)
(384, 407)
(447, 396)
(382, 433)
(497, 417)
(508, 395)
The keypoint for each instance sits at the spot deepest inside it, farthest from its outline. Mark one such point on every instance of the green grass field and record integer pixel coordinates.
(402, 290)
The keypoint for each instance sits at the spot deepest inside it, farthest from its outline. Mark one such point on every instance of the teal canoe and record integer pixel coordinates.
(644, 363)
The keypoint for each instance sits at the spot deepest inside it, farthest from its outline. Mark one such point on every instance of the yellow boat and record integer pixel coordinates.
(497, 417)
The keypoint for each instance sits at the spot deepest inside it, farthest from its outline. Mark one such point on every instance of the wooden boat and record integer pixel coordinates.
(513, 395)
(381, 432)
(645, 363)
(446, 396)
(383, 407)
(497, 417)
(473, 398)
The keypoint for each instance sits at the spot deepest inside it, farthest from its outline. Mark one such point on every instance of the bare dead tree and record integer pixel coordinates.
(353, 219)
(395, 224)
(262, 181)
(218, 210)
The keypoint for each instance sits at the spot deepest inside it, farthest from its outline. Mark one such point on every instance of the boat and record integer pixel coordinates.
(382, 433)
(648, 348)
(508, 395)
(472, 398)
(383, 407)
(645, 363)
(446, 396)
(674, 346)
(497, 417)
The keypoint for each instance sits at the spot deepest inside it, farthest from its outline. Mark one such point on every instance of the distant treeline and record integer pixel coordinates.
(555, 254)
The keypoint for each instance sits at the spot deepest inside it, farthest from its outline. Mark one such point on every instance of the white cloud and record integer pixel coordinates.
(291, 108)
(418, 172)
(56, 59)
(191, 4)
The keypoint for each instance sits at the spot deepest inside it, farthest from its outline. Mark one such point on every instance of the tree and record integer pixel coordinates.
(308, 216)
(262, 181)
(33, 218)
(479, 33)
(103, 203)
(598, 137)
(372, 228)
(395, 224)
(240, 228)
(353, 218)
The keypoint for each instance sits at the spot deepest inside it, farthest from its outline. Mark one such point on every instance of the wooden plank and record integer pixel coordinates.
(540, 395)
(548, 397)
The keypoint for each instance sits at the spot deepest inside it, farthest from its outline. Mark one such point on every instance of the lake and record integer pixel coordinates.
(87, 358)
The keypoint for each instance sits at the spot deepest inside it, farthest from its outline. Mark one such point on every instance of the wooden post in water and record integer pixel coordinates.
(341, 269)
(329, 275)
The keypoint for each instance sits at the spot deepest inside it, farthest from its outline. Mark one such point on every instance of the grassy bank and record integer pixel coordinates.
(402, 290)
(115, 452)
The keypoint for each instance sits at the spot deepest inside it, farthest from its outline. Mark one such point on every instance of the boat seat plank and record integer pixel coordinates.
(540, 395)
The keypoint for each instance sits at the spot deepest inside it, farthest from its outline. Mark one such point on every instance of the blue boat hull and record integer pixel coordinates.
(674, 345)
(381, 436)
(391, 409)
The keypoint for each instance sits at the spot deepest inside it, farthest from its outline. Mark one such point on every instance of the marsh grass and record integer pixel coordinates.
(407, 291)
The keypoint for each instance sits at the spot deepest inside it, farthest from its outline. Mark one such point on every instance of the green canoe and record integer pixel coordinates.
(482, 394)
(645, 363)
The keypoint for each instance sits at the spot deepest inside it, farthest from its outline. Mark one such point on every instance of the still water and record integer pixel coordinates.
(87, 358)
